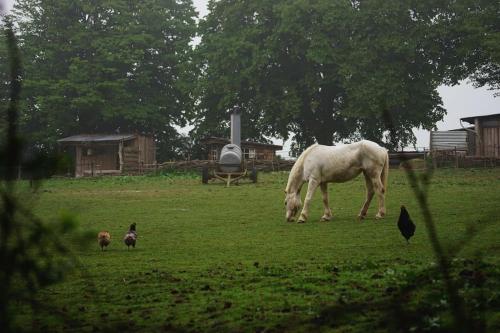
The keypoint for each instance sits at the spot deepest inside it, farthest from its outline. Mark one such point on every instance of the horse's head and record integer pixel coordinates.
(292, 205)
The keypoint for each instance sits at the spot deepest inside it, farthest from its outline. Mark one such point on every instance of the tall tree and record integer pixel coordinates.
(480, 23)
(4, 81)
(327, 70)
(105, 66)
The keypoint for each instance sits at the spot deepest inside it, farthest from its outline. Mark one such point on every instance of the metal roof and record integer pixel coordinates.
(470, 120)
(82, 138)
(462, 129)
(209, 140)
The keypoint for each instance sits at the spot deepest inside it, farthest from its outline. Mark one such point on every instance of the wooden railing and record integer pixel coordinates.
(198, 165)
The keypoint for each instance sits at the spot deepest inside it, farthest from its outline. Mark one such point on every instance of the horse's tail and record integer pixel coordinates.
(298, 167)
(385, 172)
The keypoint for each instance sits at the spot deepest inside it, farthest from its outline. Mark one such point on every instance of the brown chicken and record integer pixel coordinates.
(103, 239)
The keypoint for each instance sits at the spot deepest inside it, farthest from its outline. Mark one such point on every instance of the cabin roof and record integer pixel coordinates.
(212, 140)
(96, 138)
(462, 129)
(471, 120)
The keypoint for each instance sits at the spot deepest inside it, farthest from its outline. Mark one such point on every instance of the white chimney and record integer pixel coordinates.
(236, 127)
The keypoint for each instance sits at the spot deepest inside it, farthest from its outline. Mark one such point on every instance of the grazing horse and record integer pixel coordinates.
(320, 165)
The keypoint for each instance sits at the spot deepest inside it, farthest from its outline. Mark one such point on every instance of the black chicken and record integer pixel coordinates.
(130, 237)
(405, 224)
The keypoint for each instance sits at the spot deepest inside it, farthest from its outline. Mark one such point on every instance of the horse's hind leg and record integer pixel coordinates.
(379, 189)
(311, 188)
(327, 215)
(369, 196)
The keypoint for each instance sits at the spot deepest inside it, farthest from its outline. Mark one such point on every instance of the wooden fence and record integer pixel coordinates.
(198, 165)
(453, 158)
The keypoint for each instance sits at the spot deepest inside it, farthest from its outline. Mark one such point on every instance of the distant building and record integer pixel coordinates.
(468, 146)
(110, 154)
(458, 140)
(487, 135)
(480, 140)
(251, 150)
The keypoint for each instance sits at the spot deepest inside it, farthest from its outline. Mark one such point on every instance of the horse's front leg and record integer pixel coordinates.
(311, 188)
(327, 215)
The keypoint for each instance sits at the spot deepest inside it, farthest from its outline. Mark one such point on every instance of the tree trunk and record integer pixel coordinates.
(323, 132)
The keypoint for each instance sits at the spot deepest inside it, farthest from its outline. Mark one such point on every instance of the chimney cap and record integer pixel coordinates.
(236, 109)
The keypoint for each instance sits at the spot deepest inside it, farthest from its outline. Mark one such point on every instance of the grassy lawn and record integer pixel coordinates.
(217, 259)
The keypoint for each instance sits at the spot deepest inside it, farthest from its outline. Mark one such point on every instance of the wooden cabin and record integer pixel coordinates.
(110, 154)
(251, 150)
(486, 132)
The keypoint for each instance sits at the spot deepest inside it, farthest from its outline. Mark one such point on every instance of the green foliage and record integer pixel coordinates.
(4, 85)
(483, 33)
(328, 71)
(321, 70)
(105, 66)
(211, 258)
(33, 254)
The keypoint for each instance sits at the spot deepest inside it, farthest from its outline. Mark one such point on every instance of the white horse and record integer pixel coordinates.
(320, 165)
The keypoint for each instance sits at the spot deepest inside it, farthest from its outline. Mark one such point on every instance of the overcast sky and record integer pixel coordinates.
(459, 101)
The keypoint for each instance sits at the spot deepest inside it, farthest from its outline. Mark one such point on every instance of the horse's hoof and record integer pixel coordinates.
(301, 221)
(325, 219)
(361, 217)
(379, 216)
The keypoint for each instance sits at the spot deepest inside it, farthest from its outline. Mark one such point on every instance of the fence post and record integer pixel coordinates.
(425, 160)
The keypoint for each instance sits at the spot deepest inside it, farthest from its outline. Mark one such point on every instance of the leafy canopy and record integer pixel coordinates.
(328, 71)
(105, 66)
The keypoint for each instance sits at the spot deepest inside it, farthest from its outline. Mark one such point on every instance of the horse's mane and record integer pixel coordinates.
(298, 168)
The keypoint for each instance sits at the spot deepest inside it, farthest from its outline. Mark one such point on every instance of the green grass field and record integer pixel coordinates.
(217, 259)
